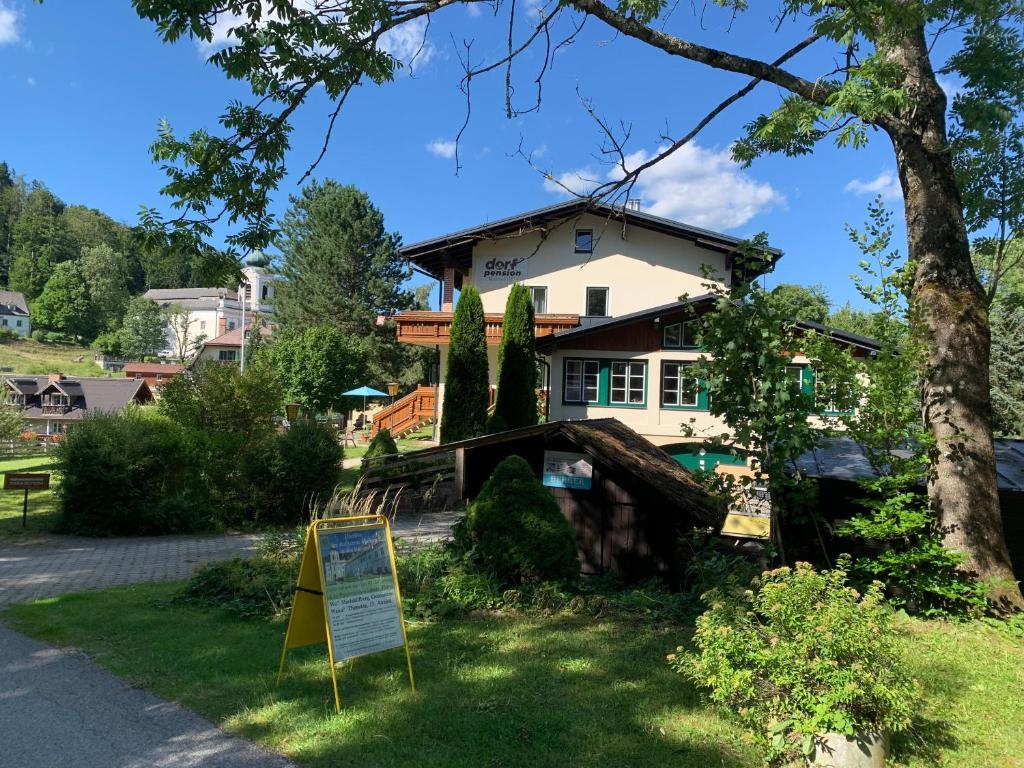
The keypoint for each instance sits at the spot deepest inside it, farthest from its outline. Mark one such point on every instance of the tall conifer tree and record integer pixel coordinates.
(464, 414)
(516, 404)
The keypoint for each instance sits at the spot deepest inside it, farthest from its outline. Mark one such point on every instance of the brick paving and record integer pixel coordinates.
(56, 565)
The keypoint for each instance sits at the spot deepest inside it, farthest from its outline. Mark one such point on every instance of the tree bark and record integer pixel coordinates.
(951, 319)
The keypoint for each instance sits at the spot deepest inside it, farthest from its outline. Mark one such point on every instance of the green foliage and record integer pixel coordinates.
(316, 364)
(464, 414)
(257, 588)
(516, 402)
(515, 531)
(220, 398)
(12, 421)
(143, 330)
(801, 654)
(130, 473)
(64, 304)
(751, 339)
(919, 573)
(106, 276)
(382, 444)
(1007, 364)
(802, 302)
(108, 343)
(339, 264)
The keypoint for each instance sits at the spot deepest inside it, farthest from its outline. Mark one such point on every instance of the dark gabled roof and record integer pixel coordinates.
(554, 341)
(86, 393)
(13, 303)
(432, 255)
(842, 458)
(618, 447)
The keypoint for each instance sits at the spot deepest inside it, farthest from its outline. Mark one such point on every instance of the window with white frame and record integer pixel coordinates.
(581, 381)
(680, 335)
(584, 241)
(539, 297)
(679, 388)
(796, 377)
(597, 302)
(628, 383)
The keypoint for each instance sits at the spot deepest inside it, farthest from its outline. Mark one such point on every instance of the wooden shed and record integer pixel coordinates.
(629, 502)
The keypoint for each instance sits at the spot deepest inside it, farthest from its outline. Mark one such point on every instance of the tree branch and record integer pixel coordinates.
(815, 92)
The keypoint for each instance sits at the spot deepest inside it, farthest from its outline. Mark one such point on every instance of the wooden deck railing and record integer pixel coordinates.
(429, 328)
(407, 412)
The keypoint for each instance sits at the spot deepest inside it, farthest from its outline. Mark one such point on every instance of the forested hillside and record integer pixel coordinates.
(78, 267)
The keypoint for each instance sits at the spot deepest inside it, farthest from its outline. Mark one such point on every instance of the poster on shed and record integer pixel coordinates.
(567, 470)
(363, 613)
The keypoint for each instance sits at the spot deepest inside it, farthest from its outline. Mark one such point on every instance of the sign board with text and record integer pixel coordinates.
(503, 271)
(563, 469)
(26, 481)
(347, 594)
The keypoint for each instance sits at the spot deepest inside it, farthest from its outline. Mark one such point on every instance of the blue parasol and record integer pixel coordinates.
(365, 392)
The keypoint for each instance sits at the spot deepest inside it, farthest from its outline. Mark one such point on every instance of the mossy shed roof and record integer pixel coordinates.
(634, 459)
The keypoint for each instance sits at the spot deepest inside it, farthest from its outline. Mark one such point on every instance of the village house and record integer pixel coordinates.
(227, 348)
(154, 374)
(14, 313)
(54, 403)
(213, 312)
(606, 284)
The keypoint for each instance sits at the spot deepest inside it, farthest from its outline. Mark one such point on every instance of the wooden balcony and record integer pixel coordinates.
(430, 328)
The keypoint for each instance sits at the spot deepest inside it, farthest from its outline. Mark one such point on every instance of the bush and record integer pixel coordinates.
(303, 464)
(53, 337)
(515, 531)
(260, 587)
(39, 335)
(129, 473)
(802, 654)
(383, 444)
(7, 334)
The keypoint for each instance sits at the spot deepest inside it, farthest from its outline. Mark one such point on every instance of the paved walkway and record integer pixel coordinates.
(59, 710)
(56, 565)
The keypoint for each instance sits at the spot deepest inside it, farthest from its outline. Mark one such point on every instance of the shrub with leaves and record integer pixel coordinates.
(801, 654)
(382, 444)
(515, 531)
(260, 587)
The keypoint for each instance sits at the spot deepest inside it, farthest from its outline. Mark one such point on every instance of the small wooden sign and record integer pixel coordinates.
(26, 481)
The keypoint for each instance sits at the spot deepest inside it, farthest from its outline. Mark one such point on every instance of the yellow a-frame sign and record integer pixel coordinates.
(347, 594)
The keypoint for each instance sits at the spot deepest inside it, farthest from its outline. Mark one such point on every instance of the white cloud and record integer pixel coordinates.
(9, 32)
(442, 148)
(406, 43)
(951, 87)
(697, 185)
(885, 184)
(31, 82)
(474, 10)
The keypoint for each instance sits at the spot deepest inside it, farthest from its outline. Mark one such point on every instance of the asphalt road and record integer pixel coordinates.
(59, 710)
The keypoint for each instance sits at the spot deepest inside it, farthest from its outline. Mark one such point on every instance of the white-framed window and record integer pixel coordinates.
(227, 356)
(628, 383)
(597, 302)
(202, 326)
(681, 335)
(584, 241)
(539, 296)
(678, 387)
(581, 381)
(796, 376)
(56, 399)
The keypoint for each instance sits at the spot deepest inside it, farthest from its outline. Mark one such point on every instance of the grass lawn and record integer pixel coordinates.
(33, 357)
(511, 690)
(42, 506)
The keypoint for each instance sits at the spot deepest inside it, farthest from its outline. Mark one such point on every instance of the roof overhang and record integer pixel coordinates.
(456, 249)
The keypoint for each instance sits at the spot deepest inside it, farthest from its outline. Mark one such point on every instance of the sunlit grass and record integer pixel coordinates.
(509, 690)
(42, 505)
(35, 358)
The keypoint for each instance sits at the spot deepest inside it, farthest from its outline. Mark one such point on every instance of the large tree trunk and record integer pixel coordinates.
(952, 321)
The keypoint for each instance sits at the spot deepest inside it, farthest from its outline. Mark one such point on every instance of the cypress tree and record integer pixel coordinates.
(465, 395)
(516, 404)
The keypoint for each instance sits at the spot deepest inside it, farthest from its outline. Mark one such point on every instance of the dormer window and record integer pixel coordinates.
(584, 241)
(680, 335)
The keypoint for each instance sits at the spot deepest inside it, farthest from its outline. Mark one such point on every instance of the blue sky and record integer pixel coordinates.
(84, 84)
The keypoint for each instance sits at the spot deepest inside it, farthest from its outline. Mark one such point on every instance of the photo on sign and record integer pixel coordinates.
(563, 469)
(359, 586)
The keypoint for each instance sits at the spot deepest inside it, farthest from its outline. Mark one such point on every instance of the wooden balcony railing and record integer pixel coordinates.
(407, 413)
(429, 328)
